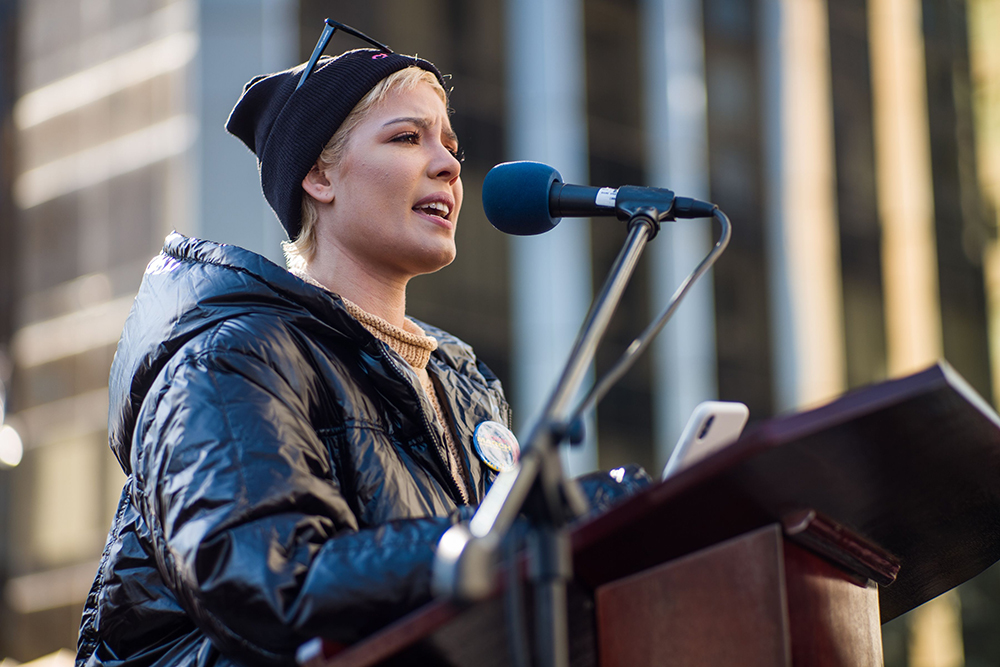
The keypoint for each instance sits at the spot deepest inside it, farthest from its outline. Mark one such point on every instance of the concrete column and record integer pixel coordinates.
(903, 179)
(239, 40)
(551, 277)
(802, 237)
(684, 364)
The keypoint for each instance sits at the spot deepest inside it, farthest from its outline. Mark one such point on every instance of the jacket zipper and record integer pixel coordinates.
(441, 447)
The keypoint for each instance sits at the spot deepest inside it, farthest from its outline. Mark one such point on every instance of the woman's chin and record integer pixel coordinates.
(439, 262)
(434, 259)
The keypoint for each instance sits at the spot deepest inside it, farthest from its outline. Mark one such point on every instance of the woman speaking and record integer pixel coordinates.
(295, 445)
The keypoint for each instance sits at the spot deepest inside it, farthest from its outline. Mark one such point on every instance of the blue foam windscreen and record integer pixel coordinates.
(516, 197)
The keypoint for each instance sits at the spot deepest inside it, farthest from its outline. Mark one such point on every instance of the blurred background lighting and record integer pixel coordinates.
(11, 448)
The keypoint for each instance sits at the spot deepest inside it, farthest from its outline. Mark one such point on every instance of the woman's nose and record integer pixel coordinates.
(445, 165)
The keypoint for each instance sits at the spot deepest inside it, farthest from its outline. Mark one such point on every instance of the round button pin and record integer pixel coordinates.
(496, 446)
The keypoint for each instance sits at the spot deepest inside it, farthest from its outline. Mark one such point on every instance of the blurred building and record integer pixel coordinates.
(855, 144)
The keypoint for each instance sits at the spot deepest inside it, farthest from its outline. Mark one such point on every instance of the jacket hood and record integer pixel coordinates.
(191, 286)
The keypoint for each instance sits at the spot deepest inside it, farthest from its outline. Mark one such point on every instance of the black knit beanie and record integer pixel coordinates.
(287, 129)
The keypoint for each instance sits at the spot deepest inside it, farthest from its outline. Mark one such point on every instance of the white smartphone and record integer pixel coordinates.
(712, 426)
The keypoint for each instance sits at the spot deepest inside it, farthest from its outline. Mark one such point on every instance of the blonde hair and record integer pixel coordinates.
(301, 250)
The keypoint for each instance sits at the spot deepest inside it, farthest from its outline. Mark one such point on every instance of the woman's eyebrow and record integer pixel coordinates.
(423, 124)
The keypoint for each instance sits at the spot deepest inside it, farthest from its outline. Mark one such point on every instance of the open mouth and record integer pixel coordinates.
(435, 208)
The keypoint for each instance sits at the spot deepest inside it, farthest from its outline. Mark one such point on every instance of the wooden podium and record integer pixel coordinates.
(789, 547)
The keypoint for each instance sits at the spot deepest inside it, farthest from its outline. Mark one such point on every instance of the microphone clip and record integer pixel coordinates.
(657, 205)
(650, 205)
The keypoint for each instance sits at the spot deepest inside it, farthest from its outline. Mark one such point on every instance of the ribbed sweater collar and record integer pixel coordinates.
(410, 343)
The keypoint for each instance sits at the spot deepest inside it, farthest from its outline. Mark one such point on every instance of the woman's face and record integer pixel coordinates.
(396, 193)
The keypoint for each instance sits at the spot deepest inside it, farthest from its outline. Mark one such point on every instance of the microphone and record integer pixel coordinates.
(527, 198)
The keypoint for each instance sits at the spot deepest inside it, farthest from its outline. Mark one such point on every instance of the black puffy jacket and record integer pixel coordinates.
(284, 479)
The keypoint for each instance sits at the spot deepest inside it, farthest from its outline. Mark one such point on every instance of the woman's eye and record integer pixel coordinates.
(407, 138)
(458, 153)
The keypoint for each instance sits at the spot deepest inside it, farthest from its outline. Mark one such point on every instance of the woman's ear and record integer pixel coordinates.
(318, 185)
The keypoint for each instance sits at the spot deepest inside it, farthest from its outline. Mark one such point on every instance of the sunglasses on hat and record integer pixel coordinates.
(330, 26)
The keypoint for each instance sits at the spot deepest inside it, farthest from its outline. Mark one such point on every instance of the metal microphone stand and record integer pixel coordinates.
(465, 564)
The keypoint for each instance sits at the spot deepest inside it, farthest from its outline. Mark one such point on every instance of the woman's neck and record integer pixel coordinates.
(357, 281)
